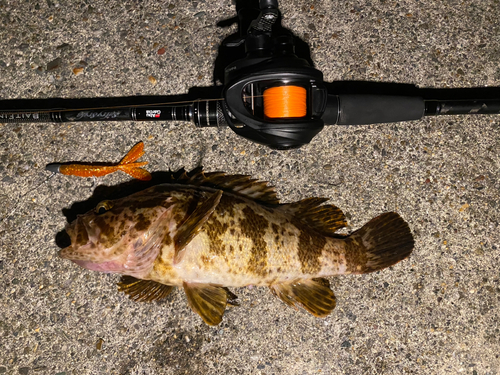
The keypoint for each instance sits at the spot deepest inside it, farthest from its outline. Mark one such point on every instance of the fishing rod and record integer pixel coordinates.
(270, 95)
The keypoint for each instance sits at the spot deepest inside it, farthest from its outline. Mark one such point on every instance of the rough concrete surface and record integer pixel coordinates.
(435, 313)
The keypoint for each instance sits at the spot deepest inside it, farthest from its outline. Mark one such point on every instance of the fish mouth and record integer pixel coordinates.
(82, 249)
(78, 234)
(63, 239)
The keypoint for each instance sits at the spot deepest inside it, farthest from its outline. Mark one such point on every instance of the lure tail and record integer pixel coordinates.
(126, 165)
(382, 242)
(135, 171)
(135, 153)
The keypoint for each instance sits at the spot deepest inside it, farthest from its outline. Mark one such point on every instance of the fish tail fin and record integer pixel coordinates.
(135, 153)
(382, 242)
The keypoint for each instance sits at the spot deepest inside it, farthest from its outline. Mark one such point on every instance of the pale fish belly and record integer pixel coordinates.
(248, 244)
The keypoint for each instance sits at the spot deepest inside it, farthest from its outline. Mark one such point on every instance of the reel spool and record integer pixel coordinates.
(285, 102)
(275, 102)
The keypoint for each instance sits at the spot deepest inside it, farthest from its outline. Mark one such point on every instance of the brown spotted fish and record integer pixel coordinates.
(208, 231)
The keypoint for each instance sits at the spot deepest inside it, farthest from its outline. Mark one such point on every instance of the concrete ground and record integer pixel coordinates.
(435, 313)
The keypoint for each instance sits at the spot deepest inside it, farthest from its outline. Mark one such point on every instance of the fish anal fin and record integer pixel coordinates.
(143, 290)
(208, 301)
(194, 223)
(314, 295)
(325, 219)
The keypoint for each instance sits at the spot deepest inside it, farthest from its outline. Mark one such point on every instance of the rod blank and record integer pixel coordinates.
(203, 113)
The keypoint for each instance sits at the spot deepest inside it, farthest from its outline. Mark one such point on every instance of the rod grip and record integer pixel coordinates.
(372, 109)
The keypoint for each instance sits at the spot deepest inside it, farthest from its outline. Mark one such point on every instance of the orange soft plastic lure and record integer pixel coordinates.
(126, 165)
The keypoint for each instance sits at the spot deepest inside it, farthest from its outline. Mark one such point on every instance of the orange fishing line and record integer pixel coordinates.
(285, 101)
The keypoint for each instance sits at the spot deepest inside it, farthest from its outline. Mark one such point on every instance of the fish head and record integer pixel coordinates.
(120, 236)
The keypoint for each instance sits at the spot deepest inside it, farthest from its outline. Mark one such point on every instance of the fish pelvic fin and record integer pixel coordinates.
(143, 290)
(314, 295)
(208, 301)
(135, 153)
(380, 243)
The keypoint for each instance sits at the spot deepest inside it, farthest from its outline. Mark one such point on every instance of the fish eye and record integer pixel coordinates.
(103, 207)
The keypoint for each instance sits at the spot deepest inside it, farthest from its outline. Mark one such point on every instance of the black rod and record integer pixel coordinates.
(203, 113)
(462, 107)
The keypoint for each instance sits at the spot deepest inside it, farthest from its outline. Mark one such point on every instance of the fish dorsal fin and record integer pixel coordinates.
(325, 219)
(314, 295)
(237, 184)
(192, 225)
(143, 290)
(208, 301)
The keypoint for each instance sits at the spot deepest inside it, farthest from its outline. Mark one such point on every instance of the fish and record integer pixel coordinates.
(126, 165)
(207, 232)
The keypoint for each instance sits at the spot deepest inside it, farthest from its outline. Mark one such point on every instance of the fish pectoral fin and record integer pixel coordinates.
(143, 290)
(208, 301)
(314, 295)
(141, 260)
(193, 224)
